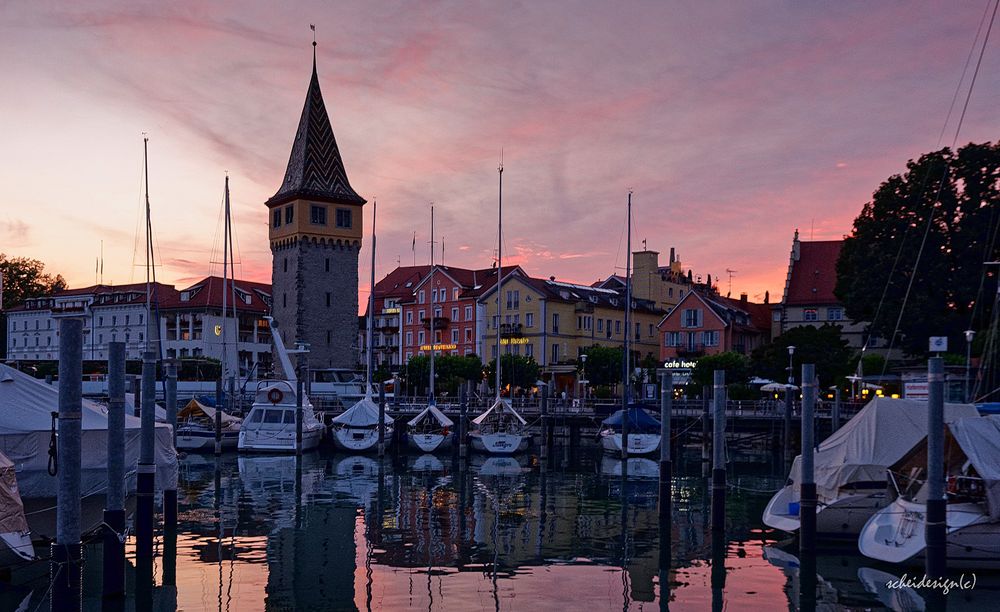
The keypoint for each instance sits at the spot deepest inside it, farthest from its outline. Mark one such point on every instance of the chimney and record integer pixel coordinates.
(767, 297)
(672, 252)
(743, 298)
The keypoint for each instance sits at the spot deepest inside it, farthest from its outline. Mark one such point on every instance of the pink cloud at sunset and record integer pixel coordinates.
(734, 124)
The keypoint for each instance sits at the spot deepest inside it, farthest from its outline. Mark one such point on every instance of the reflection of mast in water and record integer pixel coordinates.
(495, 535)
(625, 534)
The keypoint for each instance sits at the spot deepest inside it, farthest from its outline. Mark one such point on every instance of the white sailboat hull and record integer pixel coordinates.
(17, 548)
(896, 534)
(843, 517)
(501, 443)
(638, 443)
(203, 440)
(430, 442)
(279, 440)
(359, 439)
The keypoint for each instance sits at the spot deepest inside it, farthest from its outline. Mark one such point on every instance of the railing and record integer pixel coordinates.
(439, 322)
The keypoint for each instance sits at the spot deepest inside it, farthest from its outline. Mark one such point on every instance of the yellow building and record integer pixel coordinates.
(553, 322)
(665, 286)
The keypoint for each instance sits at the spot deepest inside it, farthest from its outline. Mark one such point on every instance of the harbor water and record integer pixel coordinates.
(339, 532)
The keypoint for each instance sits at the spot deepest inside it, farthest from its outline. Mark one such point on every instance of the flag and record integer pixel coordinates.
(312, 27)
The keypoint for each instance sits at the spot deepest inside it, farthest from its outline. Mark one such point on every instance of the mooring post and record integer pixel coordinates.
(114, 510)
(705, 433)
(835, 412)
(666, 469)
(66, 566)
(544, 406)
(146, 481)
(463, 408)
(299, 392)
(381, 420)
(170, 396)
(936, 530)
(787, 426)
(220, 400)
(136, 396)
(625, 431)
(807, 486)
(719, 453)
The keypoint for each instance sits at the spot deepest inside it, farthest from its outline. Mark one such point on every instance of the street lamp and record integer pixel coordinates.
(583, 375)
(791, 370)
(969, 335)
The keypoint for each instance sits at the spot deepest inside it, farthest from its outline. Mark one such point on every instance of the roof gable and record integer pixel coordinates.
(813, 276)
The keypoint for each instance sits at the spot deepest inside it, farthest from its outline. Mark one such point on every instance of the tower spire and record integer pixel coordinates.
(312, 27)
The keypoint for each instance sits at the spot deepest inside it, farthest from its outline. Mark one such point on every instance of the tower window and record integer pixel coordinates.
(284, 265)
(328, 299)
(289, 214)
(317, 215)
(327, 264)
(277, 217)
(329, 336)
(284, 300)
(344, 217)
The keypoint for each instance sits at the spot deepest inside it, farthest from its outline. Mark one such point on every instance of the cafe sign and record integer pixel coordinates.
(679, 364)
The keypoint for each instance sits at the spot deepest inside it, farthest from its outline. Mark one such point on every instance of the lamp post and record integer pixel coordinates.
(787, 421)
(969, 335)
(583, 375)
(791, 370)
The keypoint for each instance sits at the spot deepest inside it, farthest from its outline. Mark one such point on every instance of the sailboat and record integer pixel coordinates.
(499, 430)
(644, 430)
(356, 430)
(431, 430)
(270, 424)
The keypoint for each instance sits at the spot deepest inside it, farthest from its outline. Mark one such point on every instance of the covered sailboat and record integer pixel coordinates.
(196, 427)
(499, 430)
(644, 431)
(356, 429)
(850, 466)
(14, 531)
(896, 533)
(430, 430)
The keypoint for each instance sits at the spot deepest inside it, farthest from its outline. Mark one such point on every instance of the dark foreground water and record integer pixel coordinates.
(415, 532)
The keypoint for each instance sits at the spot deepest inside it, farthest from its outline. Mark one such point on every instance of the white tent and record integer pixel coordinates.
(436, 414)
(26, 407)
(159, 411)
(362, 414)
(499, 408)
(980, 441)
(777, 387)
(877, 437)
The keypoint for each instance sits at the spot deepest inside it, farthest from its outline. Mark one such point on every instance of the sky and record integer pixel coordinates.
(733, 123)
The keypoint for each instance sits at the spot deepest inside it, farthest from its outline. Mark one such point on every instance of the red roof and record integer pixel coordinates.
(814, 275)
(400, 282)
(207, 293)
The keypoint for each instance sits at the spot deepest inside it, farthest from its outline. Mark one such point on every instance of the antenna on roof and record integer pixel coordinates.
(731, 274)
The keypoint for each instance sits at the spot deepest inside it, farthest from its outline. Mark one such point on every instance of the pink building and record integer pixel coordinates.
(705, 323)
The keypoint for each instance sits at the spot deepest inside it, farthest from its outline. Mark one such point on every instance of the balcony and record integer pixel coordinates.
(439, 322)
(510, 329)
(691, 350)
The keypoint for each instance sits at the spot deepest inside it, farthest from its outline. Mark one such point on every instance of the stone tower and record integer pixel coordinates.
(315, 222)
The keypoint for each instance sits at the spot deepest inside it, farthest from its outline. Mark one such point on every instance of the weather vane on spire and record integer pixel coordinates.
(312, 27)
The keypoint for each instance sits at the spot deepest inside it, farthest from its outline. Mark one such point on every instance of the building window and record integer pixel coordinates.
(114, 321)
(409, 338)
(809, 314)
(454, 293)
(409, 317)
(618, 326)
(421, 337)
(421, 297)
(468, 313)
(711, 338)
(638, 331)
(776, 315)
(600, 326)
(421, 314)
(529, 350)
(277, 217)
(289, 214)
(672, 339)
(555, 353)
(454, 313)
(555, 323)
(126, 319)
(343, 217)
(468, 334)
(454, 336)
(834, 314)
(529, 319)
(670, 292)
(496, 321)
(650, 330)
(317, 215)
(691, 317)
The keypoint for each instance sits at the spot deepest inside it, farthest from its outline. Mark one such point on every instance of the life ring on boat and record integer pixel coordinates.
(275, 396)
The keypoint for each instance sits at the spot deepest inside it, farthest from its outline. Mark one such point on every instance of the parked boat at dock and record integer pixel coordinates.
(356, 429)
(499, 430)
(430, 430)
(196, 428)
(896, 533)
(850, 467)
(643, 436)
(14, 532)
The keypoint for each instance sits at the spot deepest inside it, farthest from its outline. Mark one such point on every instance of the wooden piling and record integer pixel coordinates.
(146, 481)
(113, 576)
(807, 484)
(719, 453)
(936, 527)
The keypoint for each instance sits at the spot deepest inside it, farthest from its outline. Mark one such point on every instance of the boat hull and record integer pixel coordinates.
(278, 440)
(204, 440)
(843, 518)
(896, 534)
(502, 443)
(638, 443)
(430, 442)
(358, 439)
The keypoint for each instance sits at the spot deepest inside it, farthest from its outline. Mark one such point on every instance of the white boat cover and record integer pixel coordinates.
(436, 414)
(159, 411)
(980, 441)
(877, 437)
(499, 406)
(26, 405)
(194, 407)
(362, 414)
(12, 518)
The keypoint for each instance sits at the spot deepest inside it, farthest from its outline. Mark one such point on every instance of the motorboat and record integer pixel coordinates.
(196, 428)
(896, 533)
(643, 435)
(850, 467)
(499, 430)
(430, 430)
(270, 424)
(356, 430)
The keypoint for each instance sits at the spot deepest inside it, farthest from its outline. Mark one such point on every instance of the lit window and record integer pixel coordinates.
(809, 314)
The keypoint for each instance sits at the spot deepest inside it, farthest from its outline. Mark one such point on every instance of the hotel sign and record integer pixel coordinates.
(679, 364)
(439, 347)
(506, 341)
(390, 311)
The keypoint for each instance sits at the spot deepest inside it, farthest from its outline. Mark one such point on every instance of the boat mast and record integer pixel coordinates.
(225, 292)
(370, 361)
(627, 358)
(149, 245)
(499, 265)
(433, 295)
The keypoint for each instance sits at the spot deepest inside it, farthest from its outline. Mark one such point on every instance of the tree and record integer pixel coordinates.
(824, 347)
(960, 192)
(736, 366)
(449, 372)
(516, 370)
(25, 278)
(604, 365)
